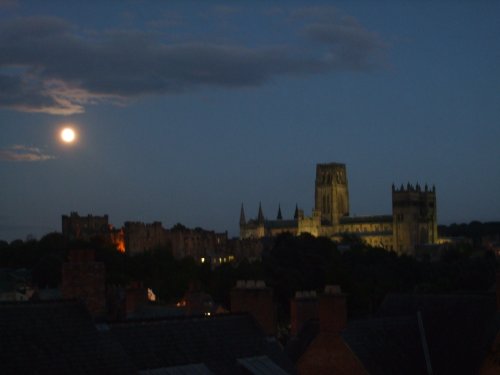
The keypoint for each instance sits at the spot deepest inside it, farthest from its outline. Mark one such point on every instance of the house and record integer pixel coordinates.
(411, 334)
(60, 337)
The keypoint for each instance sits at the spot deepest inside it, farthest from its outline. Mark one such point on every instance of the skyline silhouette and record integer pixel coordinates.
(186, 110)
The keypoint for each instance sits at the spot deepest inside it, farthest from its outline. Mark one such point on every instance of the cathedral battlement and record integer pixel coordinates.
(413, 189)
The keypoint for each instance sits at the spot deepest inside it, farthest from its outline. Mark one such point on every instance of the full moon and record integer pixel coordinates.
(68, 135)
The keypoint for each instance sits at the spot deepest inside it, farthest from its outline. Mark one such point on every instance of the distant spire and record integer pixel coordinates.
(260, 217)
(279, 217)
(296, 214)
(242, 216)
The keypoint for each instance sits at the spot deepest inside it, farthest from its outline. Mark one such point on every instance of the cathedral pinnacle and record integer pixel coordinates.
(242, 216)
(260, 217)
(296, 214)
(279, 217)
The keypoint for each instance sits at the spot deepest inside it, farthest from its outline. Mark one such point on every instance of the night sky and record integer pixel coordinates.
(186, 109)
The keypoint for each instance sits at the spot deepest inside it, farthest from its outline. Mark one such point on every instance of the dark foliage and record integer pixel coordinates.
(289, 264)
(475, 231)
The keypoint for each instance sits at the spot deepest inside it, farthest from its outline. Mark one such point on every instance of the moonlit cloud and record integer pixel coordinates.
(350, 45)
(9, 3)
(23, 153)
(48, 65)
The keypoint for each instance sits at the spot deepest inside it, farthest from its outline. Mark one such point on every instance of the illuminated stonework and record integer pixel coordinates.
(413, 221)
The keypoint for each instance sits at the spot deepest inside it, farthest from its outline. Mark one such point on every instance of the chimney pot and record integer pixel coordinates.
(333, 289)
(260, 284)
(332, 310)
(240, 284)
(256, 301)
(303, 308)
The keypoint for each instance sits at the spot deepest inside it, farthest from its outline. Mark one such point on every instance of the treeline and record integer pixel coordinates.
(288, 264)
(475, 230)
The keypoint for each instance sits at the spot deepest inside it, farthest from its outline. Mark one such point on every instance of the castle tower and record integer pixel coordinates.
(85, 228)
(331, 194)
(414, 217)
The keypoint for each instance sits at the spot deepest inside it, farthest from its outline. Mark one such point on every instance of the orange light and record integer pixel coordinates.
(120, 246)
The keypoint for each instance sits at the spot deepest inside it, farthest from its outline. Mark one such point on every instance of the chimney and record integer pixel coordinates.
(136, 296)
(303, 307)
(255, 298)
(84, 278)
(332, 310)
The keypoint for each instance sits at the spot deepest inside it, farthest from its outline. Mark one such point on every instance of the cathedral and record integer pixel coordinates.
(413, 222)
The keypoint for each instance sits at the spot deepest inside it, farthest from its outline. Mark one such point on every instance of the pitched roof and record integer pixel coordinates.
(382, 345)
(194, 369)
(261, 365)
(387, 345)
(217, 342)
(61, 338)
(55, 338)
(459, 327)
(457, 332)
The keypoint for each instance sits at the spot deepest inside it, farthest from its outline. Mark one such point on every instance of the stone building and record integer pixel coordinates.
(413, 221)
(84, 278)
(136, 237)
(78, 227)
(90, 227)
(140, 237)
(197, 243)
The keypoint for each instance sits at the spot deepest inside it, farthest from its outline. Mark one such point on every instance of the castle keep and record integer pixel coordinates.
(413, 221)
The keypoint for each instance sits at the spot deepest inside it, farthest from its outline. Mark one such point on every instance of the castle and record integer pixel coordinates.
(413, 221)
(137, 237)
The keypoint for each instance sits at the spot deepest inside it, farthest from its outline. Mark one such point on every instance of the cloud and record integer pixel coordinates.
(226, 10)
(350, 45)
(9, 3)
(47, 65)
(23, 153)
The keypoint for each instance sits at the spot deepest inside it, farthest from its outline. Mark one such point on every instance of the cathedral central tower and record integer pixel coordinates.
(331, 193)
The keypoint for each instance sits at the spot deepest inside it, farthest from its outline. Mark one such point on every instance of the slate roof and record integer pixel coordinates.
(217, 342)
(276, 224)
(383, 345)
(387, 345)
(61, 338)
(460, 328)
(194, 369)
(261, 365)
(55, 338)
(273, 224)
(366, 219)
